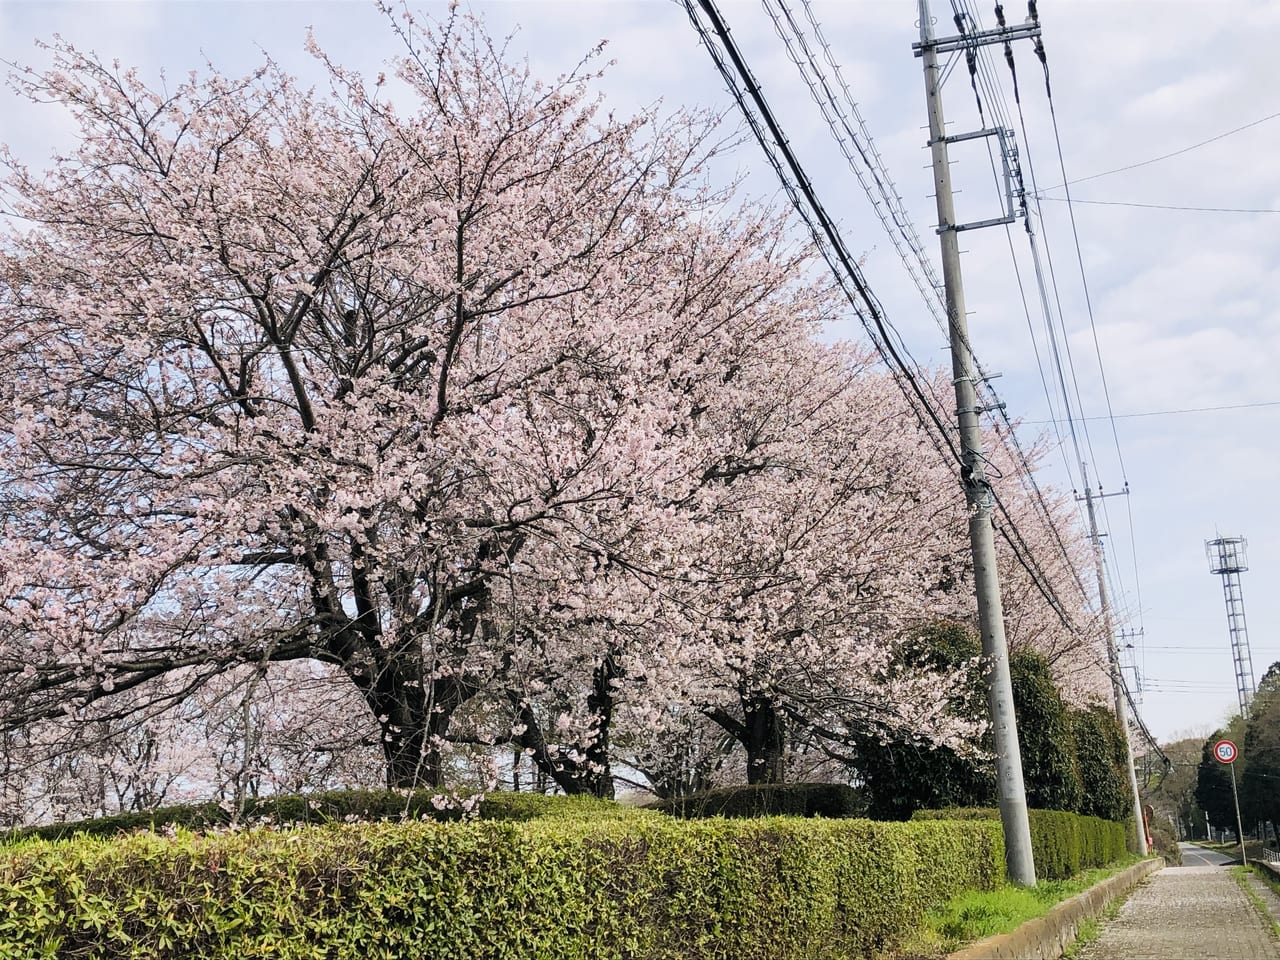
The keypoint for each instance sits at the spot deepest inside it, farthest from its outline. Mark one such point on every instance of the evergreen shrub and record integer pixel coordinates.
(1062, 843)
(1103, 763)
(552, 889)
(1164, 842)
(1049, 765)
(902, 776)
(836, 800)
(336, 806)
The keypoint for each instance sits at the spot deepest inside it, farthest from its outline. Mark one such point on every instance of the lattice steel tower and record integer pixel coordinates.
(1227, 558)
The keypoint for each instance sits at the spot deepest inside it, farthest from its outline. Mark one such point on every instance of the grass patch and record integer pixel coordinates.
(1091, 927)
(976, 915)
(1089, 930)
(1267, 877)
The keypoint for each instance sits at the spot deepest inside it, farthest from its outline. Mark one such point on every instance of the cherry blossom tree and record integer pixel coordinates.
(1051, 608)
(299, 378)
(405, 393)
(450, 408)
(829, 552)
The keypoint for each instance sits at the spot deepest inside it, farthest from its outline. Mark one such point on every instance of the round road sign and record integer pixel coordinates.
(1225, 751)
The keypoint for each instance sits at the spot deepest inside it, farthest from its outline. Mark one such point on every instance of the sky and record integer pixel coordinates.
(1183, 305)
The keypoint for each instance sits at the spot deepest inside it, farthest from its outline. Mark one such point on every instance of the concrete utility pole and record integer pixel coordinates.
(1113, 658)
(1013, 797)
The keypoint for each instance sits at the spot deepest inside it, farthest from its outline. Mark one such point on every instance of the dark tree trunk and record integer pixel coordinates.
(600, 702)
(415, 729)
(405, 758)
(762, 731)
(592, 773)
(766, 740)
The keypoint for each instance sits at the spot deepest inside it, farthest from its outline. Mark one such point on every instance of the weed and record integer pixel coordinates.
(977, 915)
(1242, 875)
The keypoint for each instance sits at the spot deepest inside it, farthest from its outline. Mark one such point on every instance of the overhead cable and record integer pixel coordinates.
(760, 118)
(862, 144)
(1159, 206)
(1168, 156)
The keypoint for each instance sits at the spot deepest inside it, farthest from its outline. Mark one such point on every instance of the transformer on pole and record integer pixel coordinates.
(1228, 559)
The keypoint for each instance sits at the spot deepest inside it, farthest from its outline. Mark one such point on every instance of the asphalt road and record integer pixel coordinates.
(1194, 855)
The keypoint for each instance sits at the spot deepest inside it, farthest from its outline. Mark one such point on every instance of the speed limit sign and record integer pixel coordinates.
(1225, 751)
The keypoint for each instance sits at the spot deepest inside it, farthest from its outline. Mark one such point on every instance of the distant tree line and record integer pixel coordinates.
(1257, 767)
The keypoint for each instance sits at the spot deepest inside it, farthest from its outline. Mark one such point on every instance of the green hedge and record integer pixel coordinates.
(768, 800)
(552, 889)
(1062, 843)
(336, 806)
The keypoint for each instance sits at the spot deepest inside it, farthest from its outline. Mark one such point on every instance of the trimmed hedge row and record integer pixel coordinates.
(336, 806)
(1062, 843)
(646, 888)
(769, 800)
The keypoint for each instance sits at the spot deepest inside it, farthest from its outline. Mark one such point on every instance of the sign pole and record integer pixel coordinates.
(1225, 751)
(1244, 858)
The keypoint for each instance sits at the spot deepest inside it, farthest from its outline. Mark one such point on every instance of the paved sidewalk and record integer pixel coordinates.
(1186, 913)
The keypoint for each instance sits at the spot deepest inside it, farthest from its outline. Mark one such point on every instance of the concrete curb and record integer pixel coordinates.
(1047, 937)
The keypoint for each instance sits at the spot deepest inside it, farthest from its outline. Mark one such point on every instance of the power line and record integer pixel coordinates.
(885, 200)
(1045, 285)
(1179, 411)
(995, 94)
(1159, 206)
(850, 144)
(1194, 652)
(1009, 437)
(983, 75)
(826, 236)
(804, 199)
(1137, 583)
(979, 67)
(1084, 282)
(1142, 725)
(1166, 156)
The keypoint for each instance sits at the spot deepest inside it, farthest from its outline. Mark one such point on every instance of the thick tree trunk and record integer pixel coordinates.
(408, 764)
(592, 774)
(761, 732)
(597, 769)
(414, 733)
(399, 704)
(765, 740)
